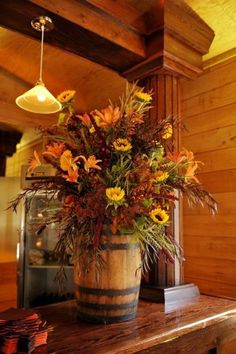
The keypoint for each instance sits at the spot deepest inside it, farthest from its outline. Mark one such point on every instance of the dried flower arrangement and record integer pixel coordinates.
(114, 164)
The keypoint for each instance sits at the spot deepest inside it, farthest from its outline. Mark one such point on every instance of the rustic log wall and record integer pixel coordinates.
(209, 112)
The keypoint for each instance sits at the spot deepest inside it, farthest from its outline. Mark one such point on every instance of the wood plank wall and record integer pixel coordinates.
(209, 112)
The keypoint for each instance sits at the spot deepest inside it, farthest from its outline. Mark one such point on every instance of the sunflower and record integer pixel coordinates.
(159, 216)
(143, 97)
(115, 194)
(66, 96)
(160, 176)
(122, 145)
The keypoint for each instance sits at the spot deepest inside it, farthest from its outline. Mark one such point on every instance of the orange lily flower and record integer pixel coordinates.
(109, 116)
(72, 175)
(175, 157)
(187, 155)
(34, 162)
(190, 172)
(55, 150)
(67, 161)
(91, 162)
(85, 119)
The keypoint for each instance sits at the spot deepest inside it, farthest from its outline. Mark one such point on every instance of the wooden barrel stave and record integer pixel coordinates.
(113, 296)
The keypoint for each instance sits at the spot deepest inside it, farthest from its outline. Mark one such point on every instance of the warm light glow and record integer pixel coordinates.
(38, 242)
(18, 251)
(39, 100)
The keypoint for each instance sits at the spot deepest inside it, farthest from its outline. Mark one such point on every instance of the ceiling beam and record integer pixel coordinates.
(81, 28)
(168, 36)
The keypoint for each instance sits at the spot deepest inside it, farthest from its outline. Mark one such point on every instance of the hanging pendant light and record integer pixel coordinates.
(39, 99)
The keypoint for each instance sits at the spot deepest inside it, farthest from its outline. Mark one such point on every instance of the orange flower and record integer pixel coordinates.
(34, 162)
(182, 156)
(85, 119)
(190, 172)
(187, 155)
(91, 162)
(109, 116)
(175, 157)
(67, 161)
(72, 175)
(55, 150)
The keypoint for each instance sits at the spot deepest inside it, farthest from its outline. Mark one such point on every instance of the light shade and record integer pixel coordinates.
(39, 100)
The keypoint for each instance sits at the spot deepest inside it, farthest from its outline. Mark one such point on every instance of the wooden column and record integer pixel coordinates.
(174, 49)
(166, 103)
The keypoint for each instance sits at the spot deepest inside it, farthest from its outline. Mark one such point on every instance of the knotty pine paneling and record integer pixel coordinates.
(209, 114)
(219, 181)
(226, 205)
(222, 117)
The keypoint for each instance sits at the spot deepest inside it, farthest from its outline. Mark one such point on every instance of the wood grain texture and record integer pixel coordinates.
(212, 140)
(213, 287)
(8, 288)
(220, 15)
(196, 328)
(212, 99)
(226, 205)
(217, 225)
(85, 25)
(219, 181)
(209, 268)
(166, 103)
(112, 295)
(209, 111)
(222, 116)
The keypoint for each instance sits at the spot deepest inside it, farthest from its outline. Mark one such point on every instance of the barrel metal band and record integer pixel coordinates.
(108, 292)
(119, 246)
(102, 319)
(107, 307)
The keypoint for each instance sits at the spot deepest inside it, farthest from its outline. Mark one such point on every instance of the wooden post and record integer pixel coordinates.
(166, 103)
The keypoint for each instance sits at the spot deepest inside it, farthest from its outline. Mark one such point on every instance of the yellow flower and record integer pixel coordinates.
(142, 96)
(168, 131)
(122, 145)
(67, 161)
(160, 176)
(115, 194)
(66, 96)
(91, 162)
(97, 121)
(159, 216)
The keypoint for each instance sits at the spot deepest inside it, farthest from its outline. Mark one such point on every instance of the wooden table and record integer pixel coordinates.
(197, 328)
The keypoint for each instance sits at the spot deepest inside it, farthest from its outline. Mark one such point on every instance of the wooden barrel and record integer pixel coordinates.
(110, 295)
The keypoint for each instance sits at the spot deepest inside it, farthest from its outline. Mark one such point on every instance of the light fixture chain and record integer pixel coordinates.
(41, 55)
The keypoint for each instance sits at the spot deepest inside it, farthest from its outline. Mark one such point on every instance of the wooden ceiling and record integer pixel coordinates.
(220, 15)
(19, 58)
